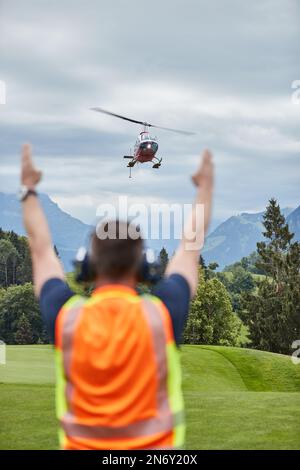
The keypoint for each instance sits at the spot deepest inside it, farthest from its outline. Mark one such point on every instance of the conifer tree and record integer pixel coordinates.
(163, 259)
(24, 331)
(273, 312)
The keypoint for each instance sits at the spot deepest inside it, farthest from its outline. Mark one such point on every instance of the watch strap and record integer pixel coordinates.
(29, 192)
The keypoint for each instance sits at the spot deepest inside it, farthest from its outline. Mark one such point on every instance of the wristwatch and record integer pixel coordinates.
(24, 192)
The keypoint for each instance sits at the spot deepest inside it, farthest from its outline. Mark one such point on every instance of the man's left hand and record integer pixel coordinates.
(30, 176)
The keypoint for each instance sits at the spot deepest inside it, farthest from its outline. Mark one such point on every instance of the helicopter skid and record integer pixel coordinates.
(158, 163)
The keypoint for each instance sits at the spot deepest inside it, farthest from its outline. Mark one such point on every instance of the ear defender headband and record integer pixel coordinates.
(150, 269)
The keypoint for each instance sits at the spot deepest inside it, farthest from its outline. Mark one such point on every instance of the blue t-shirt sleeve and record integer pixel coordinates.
(54, 294)
(174, 292)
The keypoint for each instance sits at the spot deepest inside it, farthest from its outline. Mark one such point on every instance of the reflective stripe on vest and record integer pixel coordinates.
(68, 331)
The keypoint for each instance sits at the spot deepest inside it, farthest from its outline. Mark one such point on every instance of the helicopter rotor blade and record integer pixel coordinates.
(109, 113)
(178, 131)
(101, 110)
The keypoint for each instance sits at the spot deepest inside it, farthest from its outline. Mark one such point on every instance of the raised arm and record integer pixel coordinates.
(45, 263)
(186, 259)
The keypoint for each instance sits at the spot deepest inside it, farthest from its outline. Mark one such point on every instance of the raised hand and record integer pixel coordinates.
(30, 176)
(204, 176)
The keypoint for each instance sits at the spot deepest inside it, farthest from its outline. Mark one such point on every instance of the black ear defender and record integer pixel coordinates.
(150, 270)
(83, 268)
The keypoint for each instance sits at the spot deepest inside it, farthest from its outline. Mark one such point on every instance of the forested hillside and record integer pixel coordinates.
(15, 263)
(254, 302)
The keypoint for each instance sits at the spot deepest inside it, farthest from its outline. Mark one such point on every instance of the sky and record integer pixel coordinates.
(223, 69)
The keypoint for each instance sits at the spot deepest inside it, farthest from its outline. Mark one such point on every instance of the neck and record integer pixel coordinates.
(129, 282)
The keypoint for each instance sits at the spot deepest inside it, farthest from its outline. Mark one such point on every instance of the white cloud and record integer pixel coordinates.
(261, 138)
(224, 72)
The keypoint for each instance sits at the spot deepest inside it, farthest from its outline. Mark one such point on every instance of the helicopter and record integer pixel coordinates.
(146, 147)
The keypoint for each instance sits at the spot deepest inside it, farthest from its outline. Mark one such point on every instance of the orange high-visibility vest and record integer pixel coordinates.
(118, 373)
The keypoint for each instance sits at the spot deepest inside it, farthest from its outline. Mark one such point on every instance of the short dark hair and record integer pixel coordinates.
(119, 254)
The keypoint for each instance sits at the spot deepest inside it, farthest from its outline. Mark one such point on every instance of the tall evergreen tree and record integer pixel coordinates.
(273, 312)
(202, 262)
(24, 334)
(273, 251)
(163, 259)
(203, 266)
(8, 262)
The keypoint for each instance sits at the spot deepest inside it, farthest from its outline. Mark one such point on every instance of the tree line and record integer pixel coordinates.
(263, 289)
(254, 302)
(15, 264)
(20, 319)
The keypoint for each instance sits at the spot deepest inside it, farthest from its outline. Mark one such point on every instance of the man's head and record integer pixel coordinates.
(116, 252)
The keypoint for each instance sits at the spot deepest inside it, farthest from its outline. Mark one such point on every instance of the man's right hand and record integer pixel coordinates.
(186, 261)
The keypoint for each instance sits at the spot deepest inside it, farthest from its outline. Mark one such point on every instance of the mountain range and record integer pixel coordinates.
(229, 242)
(238, 236)
(68, 233)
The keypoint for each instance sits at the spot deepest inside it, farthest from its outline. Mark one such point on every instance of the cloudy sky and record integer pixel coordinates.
(223, 69)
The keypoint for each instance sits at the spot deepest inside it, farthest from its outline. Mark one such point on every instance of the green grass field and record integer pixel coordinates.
(235, 399)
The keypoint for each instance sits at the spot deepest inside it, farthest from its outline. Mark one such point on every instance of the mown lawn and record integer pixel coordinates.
(235, 399)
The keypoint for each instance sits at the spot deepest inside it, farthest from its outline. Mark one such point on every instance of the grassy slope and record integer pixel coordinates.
(226, 408)
(235, 399)
(262, 371)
